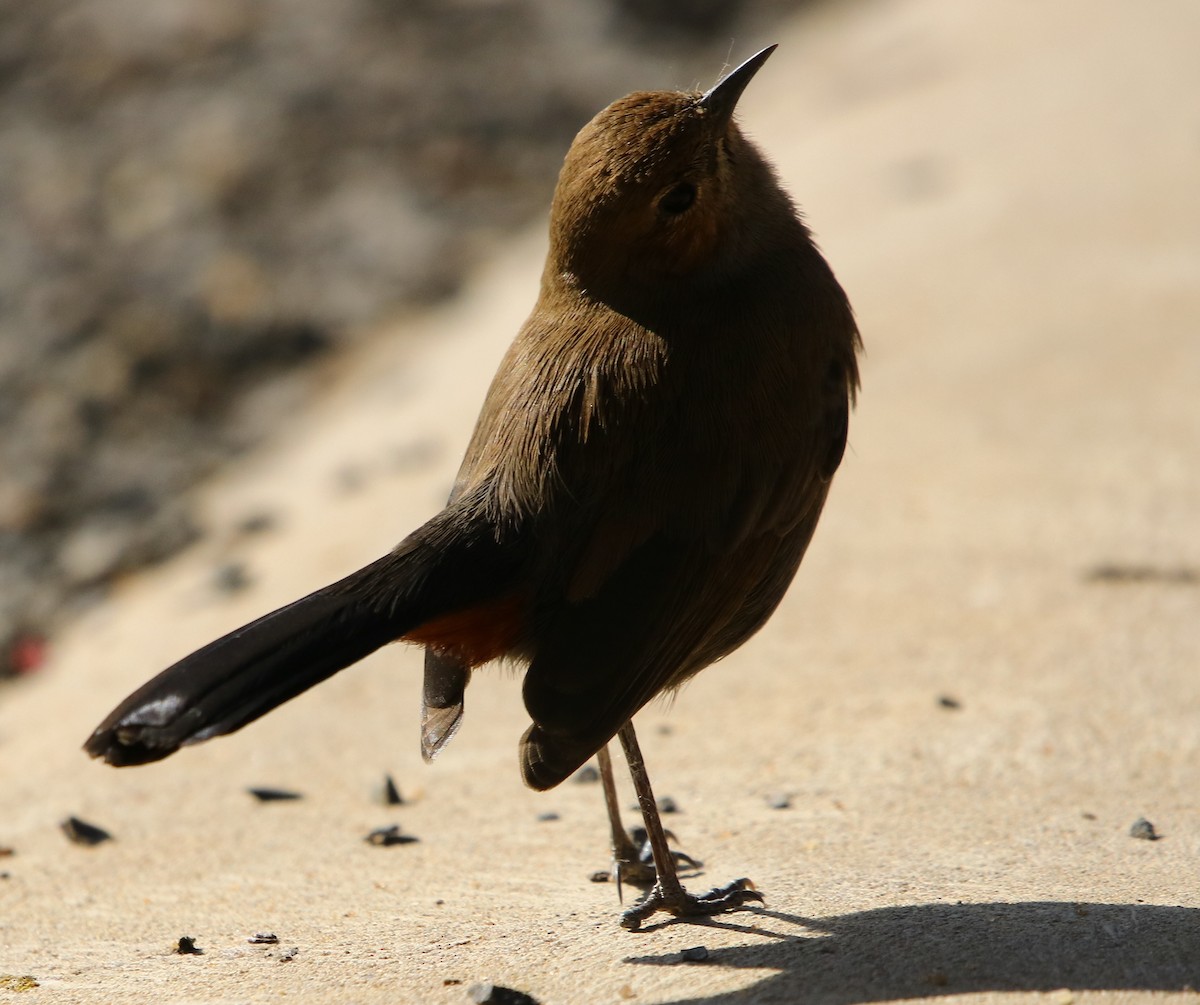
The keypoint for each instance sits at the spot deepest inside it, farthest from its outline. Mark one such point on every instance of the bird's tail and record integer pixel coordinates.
(441, 569)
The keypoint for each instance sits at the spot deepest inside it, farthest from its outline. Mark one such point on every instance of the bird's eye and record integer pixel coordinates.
(679, 199)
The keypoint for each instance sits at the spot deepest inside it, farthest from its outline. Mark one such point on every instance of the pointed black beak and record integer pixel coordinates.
(721, 99)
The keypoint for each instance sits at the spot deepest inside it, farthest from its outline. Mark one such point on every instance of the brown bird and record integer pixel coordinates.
(643, 481)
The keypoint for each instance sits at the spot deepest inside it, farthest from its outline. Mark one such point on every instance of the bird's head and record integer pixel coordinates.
(662, 185)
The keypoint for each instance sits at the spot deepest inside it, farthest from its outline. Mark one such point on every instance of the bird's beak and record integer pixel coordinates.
(721, 98)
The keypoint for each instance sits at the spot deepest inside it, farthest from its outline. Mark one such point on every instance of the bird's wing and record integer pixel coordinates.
(669, 610)
(673, 574)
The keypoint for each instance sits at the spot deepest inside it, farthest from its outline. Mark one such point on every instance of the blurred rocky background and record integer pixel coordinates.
(203, 198)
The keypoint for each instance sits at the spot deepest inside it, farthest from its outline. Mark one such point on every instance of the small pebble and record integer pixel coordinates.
(231, 577)
(1144, 829)
(588, 774)
(187, 947)
(391, 794)
(385, 837)
(273, 795)
(548, 817)
(262, 939)
(487, 993)
(256, 523)
(779, 801)
(666, 804)
(946, 701)
(641, 841)
(81, 832)
(697, 954)
(286, 955)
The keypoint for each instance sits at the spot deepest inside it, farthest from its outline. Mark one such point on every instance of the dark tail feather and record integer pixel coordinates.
(245, 674)
(450, 564)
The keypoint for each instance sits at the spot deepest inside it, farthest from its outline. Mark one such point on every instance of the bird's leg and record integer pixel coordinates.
(668, 893)
(628, 863)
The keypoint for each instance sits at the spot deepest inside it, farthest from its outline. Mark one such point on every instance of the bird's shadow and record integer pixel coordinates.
(941, 949)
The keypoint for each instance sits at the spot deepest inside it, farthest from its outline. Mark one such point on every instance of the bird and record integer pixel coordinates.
(644, 478)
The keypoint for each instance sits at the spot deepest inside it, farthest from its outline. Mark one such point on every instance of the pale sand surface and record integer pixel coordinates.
(1011, 194)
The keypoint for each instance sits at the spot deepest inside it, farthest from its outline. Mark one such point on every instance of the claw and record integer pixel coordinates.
(689, 905)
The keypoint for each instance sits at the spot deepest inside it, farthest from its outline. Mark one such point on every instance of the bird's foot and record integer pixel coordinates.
(633, 859)
(682, 904)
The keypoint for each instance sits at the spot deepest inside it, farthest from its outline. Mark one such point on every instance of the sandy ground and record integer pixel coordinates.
(1012, 198)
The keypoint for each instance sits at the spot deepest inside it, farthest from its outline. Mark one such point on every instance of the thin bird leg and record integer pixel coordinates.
(627, 859)
(668, 893)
